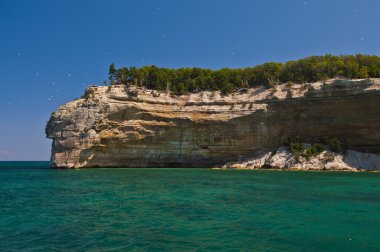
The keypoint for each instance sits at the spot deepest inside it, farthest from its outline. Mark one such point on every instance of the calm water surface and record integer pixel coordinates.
(186, 210)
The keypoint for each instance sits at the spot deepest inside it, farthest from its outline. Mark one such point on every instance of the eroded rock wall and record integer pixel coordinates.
(123, 126)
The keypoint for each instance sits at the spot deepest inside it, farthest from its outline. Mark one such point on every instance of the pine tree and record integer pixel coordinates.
(112, 74)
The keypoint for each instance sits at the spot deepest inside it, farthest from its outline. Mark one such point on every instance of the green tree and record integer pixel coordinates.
(309, 69)
(123, 75)
(180, 88)
(112, 74)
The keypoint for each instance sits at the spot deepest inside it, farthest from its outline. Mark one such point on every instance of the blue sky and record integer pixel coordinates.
(51, 50)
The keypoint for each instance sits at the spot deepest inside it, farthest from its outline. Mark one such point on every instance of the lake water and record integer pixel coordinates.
(186, 210)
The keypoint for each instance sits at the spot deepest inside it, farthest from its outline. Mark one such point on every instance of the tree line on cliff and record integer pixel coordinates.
(310, 69)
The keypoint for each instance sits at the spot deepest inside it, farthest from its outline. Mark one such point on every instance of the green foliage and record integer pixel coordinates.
(336, 145)
(112, 74)
(318, 148)
(314, 150)
(289, 84)
(226, 80)
(298, 149)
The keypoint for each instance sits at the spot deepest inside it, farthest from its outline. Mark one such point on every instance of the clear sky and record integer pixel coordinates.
(51, 50)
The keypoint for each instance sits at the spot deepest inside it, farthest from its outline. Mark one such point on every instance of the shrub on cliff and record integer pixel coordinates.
(336, 145)
(298, 149)
(314, 150)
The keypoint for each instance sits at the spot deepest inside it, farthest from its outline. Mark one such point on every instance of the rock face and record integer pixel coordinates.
(121, 126)
(282, 158)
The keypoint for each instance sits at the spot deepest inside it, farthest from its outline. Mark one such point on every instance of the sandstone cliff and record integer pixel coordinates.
(121, 126)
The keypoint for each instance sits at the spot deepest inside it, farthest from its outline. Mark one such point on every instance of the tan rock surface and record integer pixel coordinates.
(122, 126)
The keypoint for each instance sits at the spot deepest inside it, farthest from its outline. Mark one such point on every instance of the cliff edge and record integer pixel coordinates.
(121, 126)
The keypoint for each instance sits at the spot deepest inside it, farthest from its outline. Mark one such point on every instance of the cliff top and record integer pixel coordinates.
(243, 95)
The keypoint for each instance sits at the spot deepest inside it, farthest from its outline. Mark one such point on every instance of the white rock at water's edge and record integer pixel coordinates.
(327, 160)
(361, 160)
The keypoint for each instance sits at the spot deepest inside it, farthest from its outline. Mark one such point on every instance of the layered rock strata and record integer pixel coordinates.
(120, 126)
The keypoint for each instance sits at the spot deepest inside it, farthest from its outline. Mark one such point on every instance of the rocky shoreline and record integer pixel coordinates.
(283, 159)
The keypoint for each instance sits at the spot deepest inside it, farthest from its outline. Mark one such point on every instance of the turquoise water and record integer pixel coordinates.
(186, 210)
